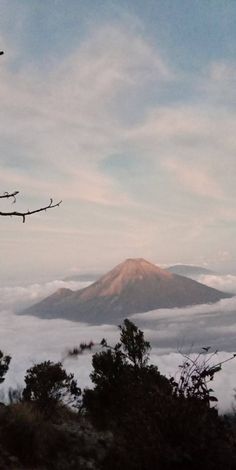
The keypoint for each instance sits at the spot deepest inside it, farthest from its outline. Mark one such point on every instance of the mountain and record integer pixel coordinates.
(189, 270)
(131, 287)
(186, 270)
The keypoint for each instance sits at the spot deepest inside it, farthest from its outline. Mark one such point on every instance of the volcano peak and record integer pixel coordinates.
(133, 286)
(139, 266)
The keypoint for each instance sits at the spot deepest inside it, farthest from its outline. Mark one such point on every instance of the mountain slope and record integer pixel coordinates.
(131, 287)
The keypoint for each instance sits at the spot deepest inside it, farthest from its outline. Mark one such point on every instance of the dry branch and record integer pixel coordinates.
(25, 214)
(13, 195)
(7, 195)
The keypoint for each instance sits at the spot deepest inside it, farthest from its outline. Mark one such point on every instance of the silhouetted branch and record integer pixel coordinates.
(196, 374)
(25, 214)
(13, 195)
(7, 195)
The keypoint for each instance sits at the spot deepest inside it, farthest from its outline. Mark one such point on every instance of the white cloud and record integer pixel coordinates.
(194, 178)
(175, 123)
(18, 297)
(194, 143)
(30, 339)
(225, 282)
(219, 82)
(186, 313)
(110, 96)
(66, 123)
(222, 72)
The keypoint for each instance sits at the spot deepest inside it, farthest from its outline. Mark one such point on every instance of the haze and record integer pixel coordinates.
(126, 112)
(171, 331)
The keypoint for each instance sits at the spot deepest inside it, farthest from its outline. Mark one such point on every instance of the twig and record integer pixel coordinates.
(7, 195)
(25, 214)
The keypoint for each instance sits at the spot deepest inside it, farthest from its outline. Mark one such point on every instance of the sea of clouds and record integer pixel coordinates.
(171, 332)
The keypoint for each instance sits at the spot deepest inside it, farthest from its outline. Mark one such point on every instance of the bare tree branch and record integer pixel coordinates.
(25, 214)
(7, 195)
(13, 195)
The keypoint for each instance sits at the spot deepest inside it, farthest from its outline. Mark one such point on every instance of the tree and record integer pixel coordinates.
(4, 365)
(48, 385)
(121, 376)
(133, 343)
(154, 426)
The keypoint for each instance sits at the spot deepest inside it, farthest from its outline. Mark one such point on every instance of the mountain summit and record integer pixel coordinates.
(131, 274)
(133, 286)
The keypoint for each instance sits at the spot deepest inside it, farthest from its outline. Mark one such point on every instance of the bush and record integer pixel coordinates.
(154, 426)
(34, 441)
(4, 365)
(48, 385)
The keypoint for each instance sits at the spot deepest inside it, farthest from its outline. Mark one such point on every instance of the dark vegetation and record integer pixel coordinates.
(133, 418)
(48, 384)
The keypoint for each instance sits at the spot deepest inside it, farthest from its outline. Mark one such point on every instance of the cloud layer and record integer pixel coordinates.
(225, 282)
(171, 331)
(18, 297)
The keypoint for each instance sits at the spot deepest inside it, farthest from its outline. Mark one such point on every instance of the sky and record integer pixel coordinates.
(125, 110)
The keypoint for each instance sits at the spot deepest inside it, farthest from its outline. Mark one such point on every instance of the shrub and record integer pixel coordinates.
(155, 426)
(4, 365)
(35, 442)
(121, 376)
(48, 385)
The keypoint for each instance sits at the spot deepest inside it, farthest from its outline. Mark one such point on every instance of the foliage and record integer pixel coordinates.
(140, 419)
(121, 376)
(48, 385)
(156, 425)
(196, 374)
(4, 365)
(35, 442)
(133, 343)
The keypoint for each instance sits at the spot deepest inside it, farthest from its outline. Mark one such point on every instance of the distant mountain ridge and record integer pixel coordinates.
(83, 277)
(189, 270)
(133, 286)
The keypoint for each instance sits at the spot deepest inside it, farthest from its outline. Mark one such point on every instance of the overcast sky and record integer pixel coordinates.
(126, 111)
